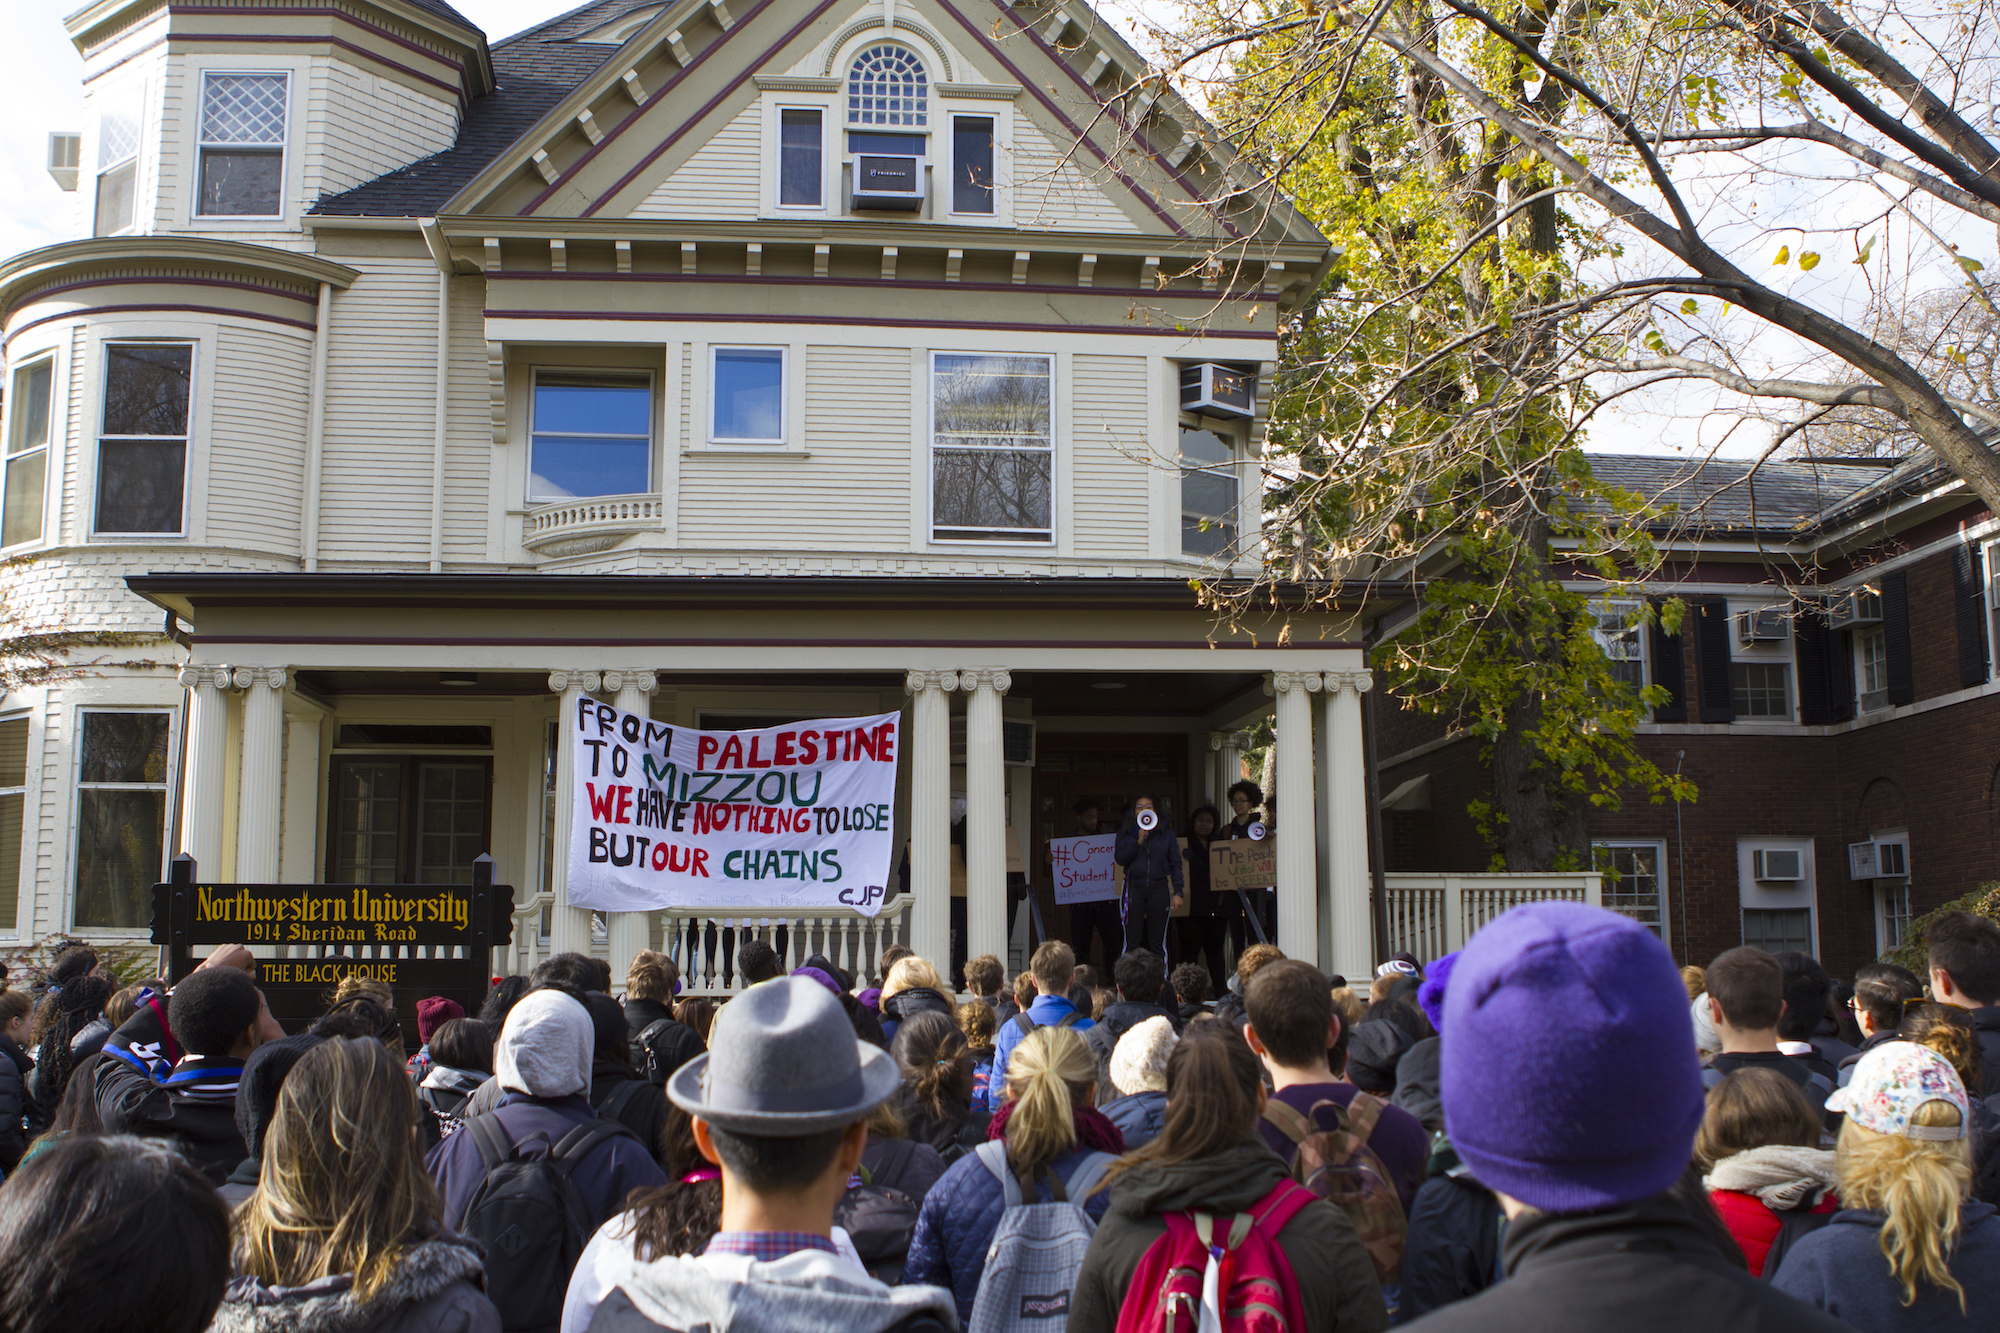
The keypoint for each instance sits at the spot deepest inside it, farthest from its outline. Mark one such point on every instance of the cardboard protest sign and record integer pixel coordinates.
(1243, 864)
(794, 817)
(1083, 868)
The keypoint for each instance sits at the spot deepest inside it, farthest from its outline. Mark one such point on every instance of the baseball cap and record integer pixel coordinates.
(1892, 1081)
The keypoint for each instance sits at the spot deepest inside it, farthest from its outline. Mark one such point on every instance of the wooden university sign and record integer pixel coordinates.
(416, 939)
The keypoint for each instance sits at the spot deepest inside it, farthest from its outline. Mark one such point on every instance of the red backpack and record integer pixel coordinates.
(1254, 1290)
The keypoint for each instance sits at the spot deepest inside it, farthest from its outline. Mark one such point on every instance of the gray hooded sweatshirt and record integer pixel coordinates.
(810, 1291)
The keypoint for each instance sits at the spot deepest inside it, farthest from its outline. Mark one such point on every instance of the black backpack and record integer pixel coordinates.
(529, 1219)
(880, 1219)
(663, 1047)
(1793, 1223)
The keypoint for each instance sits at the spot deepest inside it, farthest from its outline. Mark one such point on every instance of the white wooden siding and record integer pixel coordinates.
(1051, 194)
(1109, 456)
(375, 498)
(720, 182)
(852, 494)
(360, 127)
(469, 455)
(257, 437)
(67, 522)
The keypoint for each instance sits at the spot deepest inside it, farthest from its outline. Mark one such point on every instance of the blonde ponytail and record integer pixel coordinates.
(1048, 1075)
(1918, 1186)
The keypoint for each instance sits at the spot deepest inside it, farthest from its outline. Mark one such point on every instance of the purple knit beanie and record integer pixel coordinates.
(1570, 1080)
(1430, 995)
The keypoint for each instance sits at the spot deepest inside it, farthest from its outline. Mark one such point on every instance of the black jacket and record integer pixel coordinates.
(1645, 1267)
(14, 1067)
(195, 1109)
(1453, 1247)
(1102, 1037)
(915, 1000)
(1201, 897)
(643, 1110)
(642, 1014)
(1986, 1024)
(663, 1046)
(1336, 1278)
(1418, 1090)
(1152, 864)
(952, 1135)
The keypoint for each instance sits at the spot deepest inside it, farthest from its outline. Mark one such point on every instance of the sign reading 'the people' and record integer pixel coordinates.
(791, 817)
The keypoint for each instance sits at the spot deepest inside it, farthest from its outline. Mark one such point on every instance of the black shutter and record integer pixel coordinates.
(1718, 695)
(1896, 637)
(1969, 601)
(1813, 646)
(1840, 675)
(1669, 670)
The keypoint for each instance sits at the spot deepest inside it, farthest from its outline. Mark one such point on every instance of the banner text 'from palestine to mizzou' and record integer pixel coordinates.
(793, 818)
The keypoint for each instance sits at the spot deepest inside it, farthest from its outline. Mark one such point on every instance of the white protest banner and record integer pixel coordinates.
(795, 817)
(1084, 868)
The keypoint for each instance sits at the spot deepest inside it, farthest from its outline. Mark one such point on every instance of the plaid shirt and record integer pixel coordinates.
(768, 1246)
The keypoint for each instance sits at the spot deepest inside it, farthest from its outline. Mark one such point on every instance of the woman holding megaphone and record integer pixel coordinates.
(1151, 855)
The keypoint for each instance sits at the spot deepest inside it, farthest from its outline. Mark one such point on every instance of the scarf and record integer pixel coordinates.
(1782, 1176)
(1093, 1131)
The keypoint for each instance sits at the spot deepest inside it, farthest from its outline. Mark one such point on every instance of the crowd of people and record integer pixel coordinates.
(1554, 1128)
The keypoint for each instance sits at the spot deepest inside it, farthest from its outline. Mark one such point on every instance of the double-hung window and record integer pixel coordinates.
(241, 169)
(1631, 879)
(117, 167)
(1208, 494)
(801, 157)
(992, 448)
(142, 449)
(972, 164)
(592, 434)
(13, 817)
(1762, 690)
(1871, 649)
(1617, 631)
(747, 395)
(29, 410)
(121, 816)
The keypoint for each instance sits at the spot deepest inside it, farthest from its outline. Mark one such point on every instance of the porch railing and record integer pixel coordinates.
(704, 941)
(1431, 915)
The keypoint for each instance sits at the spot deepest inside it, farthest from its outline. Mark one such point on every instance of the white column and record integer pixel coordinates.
(261, 785)
(1218, 742)
(298, 853)
(930, 814)
(1298, 918)
(985, 814)
(1347, 817)
(630, 931)
(1233, 746)
(208, 724)
(569, 927)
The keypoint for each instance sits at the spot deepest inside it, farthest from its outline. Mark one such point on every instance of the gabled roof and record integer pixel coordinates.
(1792, 496)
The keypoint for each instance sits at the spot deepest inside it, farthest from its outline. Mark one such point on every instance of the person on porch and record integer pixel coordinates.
(1099, 919)
(1154, 884)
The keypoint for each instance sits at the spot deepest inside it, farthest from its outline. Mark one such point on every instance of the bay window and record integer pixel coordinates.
(142, 448)
(121, 816)
(240, 171)
(27, 453)
(992, 448)
(1208, 493)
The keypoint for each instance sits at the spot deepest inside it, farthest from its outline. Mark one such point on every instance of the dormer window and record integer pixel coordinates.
(242, 168)
(887, 86)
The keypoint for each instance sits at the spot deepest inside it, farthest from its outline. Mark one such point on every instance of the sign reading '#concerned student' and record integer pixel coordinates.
(794, 817)
(1084, 869)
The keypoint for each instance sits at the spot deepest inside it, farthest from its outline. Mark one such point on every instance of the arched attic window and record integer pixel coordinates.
(887, 86)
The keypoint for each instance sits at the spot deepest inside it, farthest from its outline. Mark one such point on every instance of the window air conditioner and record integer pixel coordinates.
(1769, 865)
(888, 181)
(65, 155)
(1765, 626)
(1218, 390)
(1850, 610)
(1879, 858)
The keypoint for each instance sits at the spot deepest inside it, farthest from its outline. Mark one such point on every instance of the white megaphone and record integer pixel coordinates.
(1256, 832)
(1148, 820)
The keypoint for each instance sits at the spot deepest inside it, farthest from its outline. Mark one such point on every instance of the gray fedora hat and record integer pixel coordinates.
(783, 1061)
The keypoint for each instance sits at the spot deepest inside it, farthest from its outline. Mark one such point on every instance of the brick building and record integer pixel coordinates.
(1834, 700)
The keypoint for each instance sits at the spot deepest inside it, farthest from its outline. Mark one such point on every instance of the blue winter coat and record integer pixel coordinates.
(1841, 1269)
(1139, 1117)
(959, 1217)
(1047, 1011)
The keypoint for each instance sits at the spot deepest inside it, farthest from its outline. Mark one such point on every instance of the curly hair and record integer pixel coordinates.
(681, 1216)
(76, 994)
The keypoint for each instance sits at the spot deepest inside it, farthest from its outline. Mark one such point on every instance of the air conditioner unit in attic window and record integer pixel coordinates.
(1879, 858)
(1765, 626)
(1218, 391)
(1770, 865)
(1851, 610)
(890, 181)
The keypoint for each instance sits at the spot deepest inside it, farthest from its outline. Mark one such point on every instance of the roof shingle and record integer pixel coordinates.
(1732, 494)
